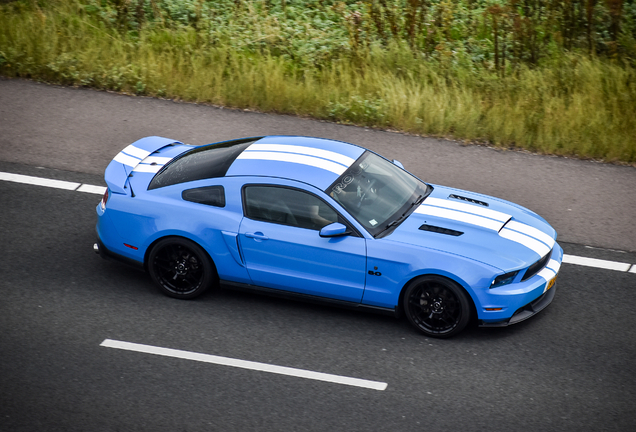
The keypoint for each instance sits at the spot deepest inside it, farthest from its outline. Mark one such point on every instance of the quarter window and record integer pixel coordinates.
(288, 207)
(209, 195)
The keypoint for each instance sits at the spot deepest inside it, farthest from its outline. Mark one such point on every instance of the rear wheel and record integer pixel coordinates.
(181, 268)
(436, 306)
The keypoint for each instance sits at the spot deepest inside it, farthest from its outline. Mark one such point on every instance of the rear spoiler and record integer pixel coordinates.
(136, 157)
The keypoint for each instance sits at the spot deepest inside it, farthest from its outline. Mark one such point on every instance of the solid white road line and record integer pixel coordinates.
(244, 364)
(58, 184)
(38, 181)
(598, 263)
(99, 190)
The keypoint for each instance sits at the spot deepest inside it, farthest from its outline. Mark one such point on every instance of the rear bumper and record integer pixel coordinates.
(103, 251)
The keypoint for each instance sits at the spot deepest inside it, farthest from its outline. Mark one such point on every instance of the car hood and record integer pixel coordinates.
(483, 228)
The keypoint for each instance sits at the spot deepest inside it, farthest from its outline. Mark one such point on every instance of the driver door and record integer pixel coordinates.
(282, 248)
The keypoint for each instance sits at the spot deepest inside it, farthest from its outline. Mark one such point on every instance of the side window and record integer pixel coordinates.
(287, 206)
(209, 195)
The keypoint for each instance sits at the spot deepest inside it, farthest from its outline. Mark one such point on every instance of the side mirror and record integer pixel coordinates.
(335, 229)
(398, 163)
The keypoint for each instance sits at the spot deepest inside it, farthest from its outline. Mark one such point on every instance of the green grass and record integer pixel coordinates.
(574, 105)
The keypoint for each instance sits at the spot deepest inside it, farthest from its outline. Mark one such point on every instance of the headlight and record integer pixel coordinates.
(503, 279)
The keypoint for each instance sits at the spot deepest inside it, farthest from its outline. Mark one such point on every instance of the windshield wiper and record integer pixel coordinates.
(418, 201)
(399, 220)
(395, 222)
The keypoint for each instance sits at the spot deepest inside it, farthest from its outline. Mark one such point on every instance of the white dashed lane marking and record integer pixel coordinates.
(244, 364)
(99, 190)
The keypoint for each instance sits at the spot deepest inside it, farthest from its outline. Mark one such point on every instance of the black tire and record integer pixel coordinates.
(436, 306)
(181, 268)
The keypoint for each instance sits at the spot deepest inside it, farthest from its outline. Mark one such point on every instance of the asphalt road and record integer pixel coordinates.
(569, 368)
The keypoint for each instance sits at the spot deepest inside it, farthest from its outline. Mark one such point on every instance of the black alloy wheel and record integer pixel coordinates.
(436, 306)
(181, 268)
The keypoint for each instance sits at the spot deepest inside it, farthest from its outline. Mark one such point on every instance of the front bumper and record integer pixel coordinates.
(527, 311)
(516, 302)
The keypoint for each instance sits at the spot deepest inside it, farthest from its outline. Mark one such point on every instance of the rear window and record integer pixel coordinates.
(211, 161)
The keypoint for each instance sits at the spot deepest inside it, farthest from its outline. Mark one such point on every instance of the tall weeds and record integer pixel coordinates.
(573, 104)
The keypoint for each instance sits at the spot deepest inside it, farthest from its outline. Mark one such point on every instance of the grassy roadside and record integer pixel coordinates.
(574, 106)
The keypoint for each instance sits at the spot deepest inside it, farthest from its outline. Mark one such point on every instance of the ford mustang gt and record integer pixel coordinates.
(324, 220)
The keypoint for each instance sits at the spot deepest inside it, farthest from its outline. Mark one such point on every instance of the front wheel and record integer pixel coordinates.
(180, 268)
(436, 306)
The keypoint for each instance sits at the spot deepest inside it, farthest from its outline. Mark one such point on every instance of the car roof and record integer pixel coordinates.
(316, 161)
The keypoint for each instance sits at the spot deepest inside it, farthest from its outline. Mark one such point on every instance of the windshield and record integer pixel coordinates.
(378, 194)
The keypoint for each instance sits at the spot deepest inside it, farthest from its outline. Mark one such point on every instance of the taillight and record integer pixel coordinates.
(104, 200)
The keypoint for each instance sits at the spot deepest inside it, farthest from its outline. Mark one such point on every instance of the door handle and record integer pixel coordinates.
(257, 236)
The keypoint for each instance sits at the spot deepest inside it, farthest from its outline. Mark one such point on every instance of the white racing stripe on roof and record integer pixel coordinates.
(308, 151)
(294, 158)
(468, 208)
(460, 216)
(529, 242)
(135, 151)
(126, 160)
(531, 231)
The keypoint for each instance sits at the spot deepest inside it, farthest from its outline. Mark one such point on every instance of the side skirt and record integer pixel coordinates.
(306, 298)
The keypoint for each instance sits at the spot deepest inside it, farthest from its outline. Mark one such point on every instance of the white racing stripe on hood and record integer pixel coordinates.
(468, 208)
(530, 237)
(532, 232)
(460, 217)
(529, 242)
(294, 158)
(302, 150)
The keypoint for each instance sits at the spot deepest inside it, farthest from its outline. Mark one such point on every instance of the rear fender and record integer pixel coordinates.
(134, 157)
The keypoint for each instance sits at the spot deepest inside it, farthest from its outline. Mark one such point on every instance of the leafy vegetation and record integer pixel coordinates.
(552, 76)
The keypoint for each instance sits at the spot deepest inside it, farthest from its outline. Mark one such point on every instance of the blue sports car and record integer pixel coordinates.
(324, 220)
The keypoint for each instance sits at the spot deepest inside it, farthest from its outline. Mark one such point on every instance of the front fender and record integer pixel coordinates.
(396, 264)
